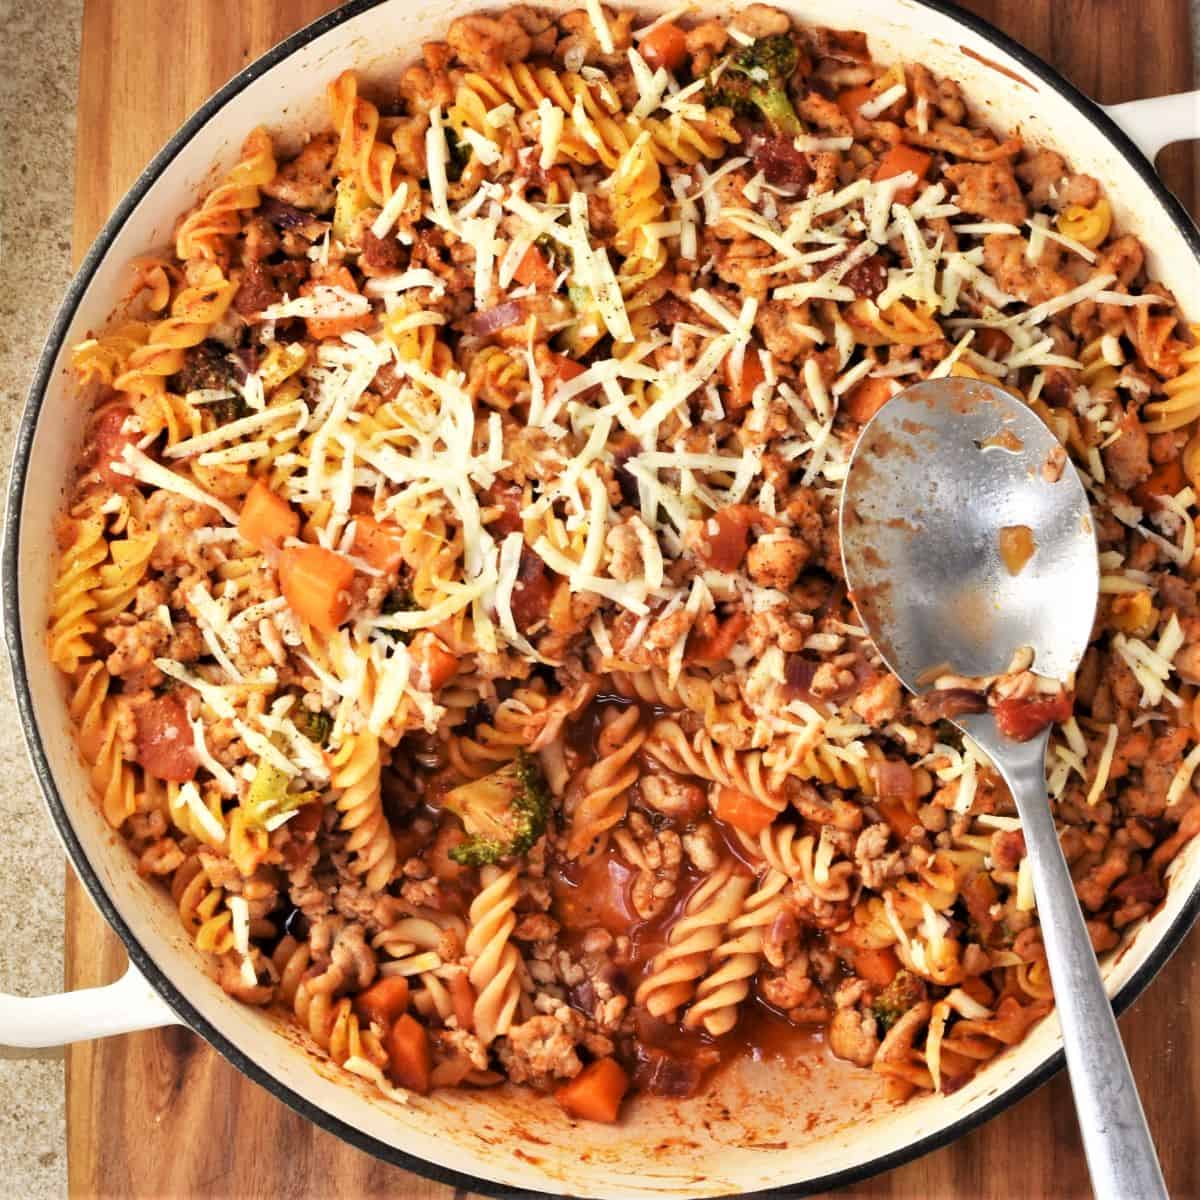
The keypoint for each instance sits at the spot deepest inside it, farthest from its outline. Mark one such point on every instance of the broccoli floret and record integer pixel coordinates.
(504, 813)
(897, 998)
(269, 796)
(232, 408)
(398, 600)
(314, 725)
(753, 82)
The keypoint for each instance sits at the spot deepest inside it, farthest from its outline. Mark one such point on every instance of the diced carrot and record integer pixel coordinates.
(740, 387)
(743, 812)
(851, 100)
(665, 46)
(877, 966)
(462, 996)
(327, 327)
(380, 544)
(595, 1094)
(316, 584)
(362, 503)
(410, 1063)
(535, 270)
(899, 819)
(866, 398)
(717, 645)
(434, 664)
(267, 519)
(896, 161)
(384, 1000)
(1165, 480)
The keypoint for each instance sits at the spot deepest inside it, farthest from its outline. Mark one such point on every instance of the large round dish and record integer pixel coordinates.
(750, 1133)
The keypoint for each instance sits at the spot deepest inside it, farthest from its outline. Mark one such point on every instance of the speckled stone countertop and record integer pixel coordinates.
(39, 66)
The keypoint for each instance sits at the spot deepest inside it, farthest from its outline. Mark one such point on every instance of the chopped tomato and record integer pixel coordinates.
(535, 270)
(1022, 719)
(1165, 480)
(532, 592)
(725, 536)
(899, 819)
(740, 385)
(564, 370)
(164, 739)
(995, 343)
(111, 440)
(742, 811)
(462, 996)
(509, 499)
(665, 46)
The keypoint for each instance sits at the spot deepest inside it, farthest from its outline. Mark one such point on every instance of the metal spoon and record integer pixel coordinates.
(937, 475)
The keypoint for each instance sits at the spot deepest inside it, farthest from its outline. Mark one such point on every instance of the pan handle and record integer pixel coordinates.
(1159, 121)
(122, 1007)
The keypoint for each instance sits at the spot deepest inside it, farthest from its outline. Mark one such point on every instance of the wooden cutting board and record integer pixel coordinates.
(161, 1114)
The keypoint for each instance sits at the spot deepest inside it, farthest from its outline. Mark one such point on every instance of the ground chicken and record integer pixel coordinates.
(1127, 460)
(988, 190)
(307, 180)
(775, 560)
(542, 1049)
(853, 1036)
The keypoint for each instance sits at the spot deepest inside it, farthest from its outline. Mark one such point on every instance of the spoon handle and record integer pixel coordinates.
(1120, 1153)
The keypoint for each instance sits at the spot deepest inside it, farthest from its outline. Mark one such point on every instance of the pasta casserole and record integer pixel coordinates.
(450, 598)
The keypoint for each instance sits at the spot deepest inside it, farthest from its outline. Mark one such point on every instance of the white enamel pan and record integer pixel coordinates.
(763, 1129)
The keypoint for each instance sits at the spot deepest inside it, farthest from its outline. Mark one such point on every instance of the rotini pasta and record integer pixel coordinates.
(449, 594)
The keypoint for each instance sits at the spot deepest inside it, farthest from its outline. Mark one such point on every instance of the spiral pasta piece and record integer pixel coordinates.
(361, 155)
(72, 597)
(604, 798)
(193, 314)
(597, 130)
(735, 961)
(494, 973)
(745, 771)
(203, 233)
(1182, 404)
(202, 907)
(1089, 225)
(671, 981)
(102, 359)
(128, 558)
(355, 773)
(638, 201)
(492, 744)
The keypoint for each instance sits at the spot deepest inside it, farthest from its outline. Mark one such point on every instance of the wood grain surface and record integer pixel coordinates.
(161, 1114)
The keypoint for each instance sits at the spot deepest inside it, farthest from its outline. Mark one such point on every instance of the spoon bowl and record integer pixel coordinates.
(939, 475)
